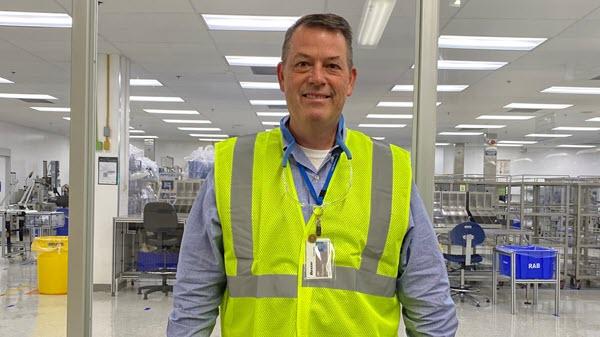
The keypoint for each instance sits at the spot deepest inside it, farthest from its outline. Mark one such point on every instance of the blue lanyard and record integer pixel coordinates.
(318, 198)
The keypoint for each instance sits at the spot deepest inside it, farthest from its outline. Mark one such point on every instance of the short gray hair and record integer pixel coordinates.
(331, 22)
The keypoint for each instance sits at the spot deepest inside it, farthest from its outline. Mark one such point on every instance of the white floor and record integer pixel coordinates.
(25, 313)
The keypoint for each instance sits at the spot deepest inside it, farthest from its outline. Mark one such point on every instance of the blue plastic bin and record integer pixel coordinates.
(64, 230)
(152, 261)
(533, 262)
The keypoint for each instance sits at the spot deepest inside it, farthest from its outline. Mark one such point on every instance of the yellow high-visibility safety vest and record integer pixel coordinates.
(365, 215)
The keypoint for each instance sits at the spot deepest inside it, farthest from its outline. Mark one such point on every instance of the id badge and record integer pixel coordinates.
(319, 257)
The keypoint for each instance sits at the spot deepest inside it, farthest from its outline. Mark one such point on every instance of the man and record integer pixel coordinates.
(276, 199)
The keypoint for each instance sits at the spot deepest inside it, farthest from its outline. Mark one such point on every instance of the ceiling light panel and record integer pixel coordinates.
(33, 19)
(67, 118)
(272, 114)
(5, 81)
(509, 145)
(210, 140)
(249, 22)
(573, 90)
(267, 102)
(469, 65)
(548, 135)
(208, 135)
(595, 119)
(172, 112)
(537, 106)
(253, 61)
(479, 126)
(368, 125)
(577, 146)
(143, 137)
(27, 96)
(186, 128)
(384, 104)
(576, 128)
(270, 123)
(451, 133)
(442, 144)
(187, 121)
(489, 42)
(390, 116)
(260, 85)
(50, 109)
(156, 99)
(506, 117)
(378, 138)
(144, 83)
(374, 19)
(440, 87)
(137, 131)
(523, 142)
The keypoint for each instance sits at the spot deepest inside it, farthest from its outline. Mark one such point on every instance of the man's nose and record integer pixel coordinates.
(317, 75)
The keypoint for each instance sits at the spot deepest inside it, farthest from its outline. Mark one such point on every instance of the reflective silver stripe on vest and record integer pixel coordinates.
(381, 206)
(361, 281)
(365, 280)
(241, 203)
(285, 286)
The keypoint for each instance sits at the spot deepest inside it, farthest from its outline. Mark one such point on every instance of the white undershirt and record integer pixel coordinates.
(316, 157)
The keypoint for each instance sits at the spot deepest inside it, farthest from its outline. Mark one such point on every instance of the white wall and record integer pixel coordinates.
(533, 161)
(29, 147)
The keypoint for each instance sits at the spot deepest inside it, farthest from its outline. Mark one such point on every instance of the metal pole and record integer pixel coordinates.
(557, 286)
(425, 97)
(494, 275)
(513, 283)
(82, 158)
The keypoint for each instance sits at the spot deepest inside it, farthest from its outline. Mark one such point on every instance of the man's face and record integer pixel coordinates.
(316, 77)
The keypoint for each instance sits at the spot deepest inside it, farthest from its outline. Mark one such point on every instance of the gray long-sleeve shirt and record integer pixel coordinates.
(422, 285)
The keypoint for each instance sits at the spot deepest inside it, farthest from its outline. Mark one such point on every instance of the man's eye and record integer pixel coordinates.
(302, 64)
(334, 66)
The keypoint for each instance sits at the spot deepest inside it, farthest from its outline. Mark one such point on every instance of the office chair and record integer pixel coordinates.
(468, 235)
(161, 229)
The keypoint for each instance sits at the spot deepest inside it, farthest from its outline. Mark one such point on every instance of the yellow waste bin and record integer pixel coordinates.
(52, 263)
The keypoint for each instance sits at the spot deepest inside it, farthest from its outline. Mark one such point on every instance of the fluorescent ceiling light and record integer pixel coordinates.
(249, 22)
(440, 87)
(576, 128)
(442, 144)
(208, 135)
(548, 135)
(375, 16)
(253, 61)
(131, 128)
(460, 133)
(506, 117)
(489, 42)
(390, 116)
(381, 125)
(210, 139)
(523, 142)
(537, 106)
(384, 104)
(67, 118)
(50, 109)
(378, 138)
(509, 145)
(5, 81)
(268, 102)
(187, 121)
(144, 83)
(272, 114)
(260, 85)
(155, 99)
(270, 123)
(573, 90)
(185, 128)
(26, 96)
(268, 129)
(172, 112)
(32, 19)
(469, 65)
(137, 131)
(143, 137)
(577, 146)
(479, 126)
(595, 119)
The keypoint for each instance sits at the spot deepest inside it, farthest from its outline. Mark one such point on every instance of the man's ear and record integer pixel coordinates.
(280, 76)
(352, 81)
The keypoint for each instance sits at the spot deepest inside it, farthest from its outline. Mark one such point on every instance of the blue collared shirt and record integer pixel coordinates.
(422, 285)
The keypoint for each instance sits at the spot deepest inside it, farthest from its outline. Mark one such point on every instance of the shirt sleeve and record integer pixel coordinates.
(423, 287)
(200, 280)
